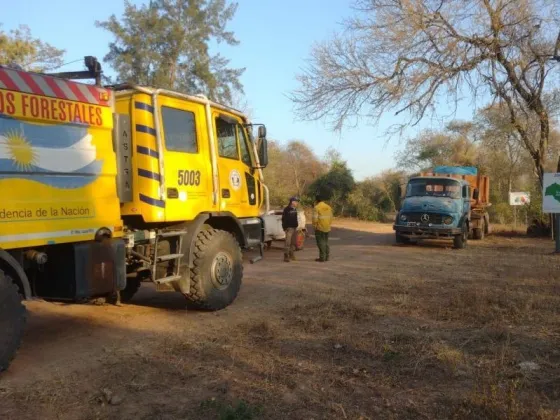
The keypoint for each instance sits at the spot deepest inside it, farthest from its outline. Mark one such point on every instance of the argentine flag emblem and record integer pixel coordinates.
(61, 156)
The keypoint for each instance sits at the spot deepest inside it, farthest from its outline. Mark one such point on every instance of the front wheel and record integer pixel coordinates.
(217, 270)
(460, 241)
(12, 320)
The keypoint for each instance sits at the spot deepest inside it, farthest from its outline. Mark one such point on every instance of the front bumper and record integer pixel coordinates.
(421, 232)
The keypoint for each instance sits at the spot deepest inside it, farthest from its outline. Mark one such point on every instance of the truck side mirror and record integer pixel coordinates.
(475, 194)
(263, 150)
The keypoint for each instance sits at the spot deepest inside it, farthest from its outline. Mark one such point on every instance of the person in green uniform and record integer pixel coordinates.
(322, 219)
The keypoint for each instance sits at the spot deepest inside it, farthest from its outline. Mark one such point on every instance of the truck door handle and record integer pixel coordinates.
(226, 193)
(172, 193)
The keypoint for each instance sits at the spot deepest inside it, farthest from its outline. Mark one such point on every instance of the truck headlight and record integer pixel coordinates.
(403, 217)
(448, 220)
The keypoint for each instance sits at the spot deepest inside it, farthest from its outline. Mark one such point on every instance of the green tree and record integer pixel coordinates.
(335, 186)
(166, 44)
(361, 203)
(19, 47)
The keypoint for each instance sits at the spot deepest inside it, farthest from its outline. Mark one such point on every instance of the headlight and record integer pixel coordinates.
(448, 220)
(403, 217)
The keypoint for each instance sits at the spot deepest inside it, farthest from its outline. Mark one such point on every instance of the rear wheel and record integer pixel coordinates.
(12, 320)
(478, 233)
(217, 270)
(133, 283)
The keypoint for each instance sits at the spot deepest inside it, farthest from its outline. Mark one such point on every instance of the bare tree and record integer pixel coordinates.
(409, 55)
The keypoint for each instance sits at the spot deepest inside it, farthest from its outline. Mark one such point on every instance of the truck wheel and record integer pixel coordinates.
(401, 239)
(12, 320)
(132, 286)
(460, 241)
(478, 233)
(218, 270)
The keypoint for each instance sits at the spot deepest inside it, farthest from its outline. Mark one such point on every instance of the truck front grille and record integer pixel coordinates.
(433, 218)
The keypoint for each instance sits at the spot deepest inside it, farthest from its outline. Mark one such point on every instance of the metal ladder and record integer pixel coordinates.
(168, 257)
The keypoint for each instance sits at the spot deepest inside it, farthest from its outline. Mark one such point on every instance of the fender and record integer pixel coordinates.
(465, 218)
(189, 239)
(196, 225)
(14, 269)
(238, 227)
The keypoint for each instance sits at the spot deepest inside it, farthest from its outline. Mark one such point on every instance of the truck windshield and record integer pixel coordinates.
(433, 188)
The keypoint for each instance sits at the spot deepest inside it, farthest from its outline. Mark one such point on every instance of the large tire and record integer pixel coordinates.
(12, 320)
(217, 271)
(460, 241)
(478, 234)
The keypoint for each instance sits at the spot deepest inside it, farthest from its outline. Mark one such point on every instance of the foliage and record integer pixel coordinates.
(291, 169)
(431, 148)
(361, 205)
(19, 47)
(334, 186)
(166, 44)
(502, 49)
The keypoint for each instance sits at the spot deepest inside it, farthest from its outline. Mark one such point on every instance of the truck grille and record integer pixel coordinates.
(433, 218)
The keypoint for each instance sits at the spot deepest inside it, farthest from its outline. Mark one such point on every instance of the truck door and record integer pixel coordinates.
(187, 169)
(237, 183)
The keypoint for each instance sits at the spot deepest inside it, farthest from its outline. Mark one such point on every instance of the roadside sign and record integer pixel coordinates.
(519, 198)
(551, 193)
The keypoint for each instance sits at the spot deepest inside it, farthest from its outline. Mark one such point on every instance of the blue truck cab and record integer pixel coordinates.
(442, 206)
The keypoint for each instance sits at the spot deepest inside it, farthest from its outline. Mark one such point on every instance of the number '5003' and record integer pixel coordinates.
(189, 177)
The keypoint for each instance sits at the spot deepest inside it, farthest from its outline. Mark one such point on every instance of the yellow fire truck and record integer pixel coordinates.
(107, 187)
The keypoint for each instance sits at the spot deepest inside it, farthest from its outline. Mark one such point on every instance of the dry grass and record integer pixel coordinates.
(382, 332)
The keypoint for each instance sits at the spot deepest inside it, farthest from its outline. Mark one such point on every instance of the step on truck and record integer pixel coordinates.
(104, 188)
(444, 203)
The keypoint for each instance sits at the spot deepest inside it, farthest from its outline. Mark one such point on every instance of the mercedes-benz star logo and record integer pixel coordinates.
(425, 218)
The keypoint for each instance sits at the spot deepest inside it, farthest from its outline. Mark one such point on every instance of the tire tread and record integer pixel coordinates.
(11, 307)
(204, 238)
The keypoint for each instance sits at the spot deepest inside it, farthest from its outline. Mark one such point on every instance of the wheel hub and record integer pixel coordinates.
(222, 270)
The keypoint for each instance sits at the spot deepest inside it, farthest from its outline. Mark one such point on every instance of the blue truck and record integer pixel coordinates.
(447, 202)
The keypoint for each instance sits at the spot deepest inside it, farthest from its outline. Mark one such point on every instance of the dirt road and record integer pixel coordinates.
(381, 331)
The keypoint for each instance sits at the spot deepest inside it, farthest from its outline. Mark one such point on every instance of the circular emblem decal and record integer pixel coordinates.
(235, 179)
(425, 218)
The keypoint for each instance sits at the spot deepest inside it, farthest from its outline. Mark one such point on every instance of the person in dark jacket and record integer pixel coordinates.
(290, 225)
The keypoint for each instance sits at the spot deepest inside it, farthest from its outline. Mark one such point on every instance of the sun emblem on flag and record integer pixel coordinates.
(20, 150)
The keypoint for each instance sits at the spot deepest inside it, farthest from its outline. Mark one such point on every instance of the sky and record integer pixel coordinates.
(275, 41)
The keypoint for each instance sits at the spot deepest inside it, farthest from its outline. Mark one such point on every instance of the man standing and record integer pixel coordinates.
(290, 225)
(322, 219)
